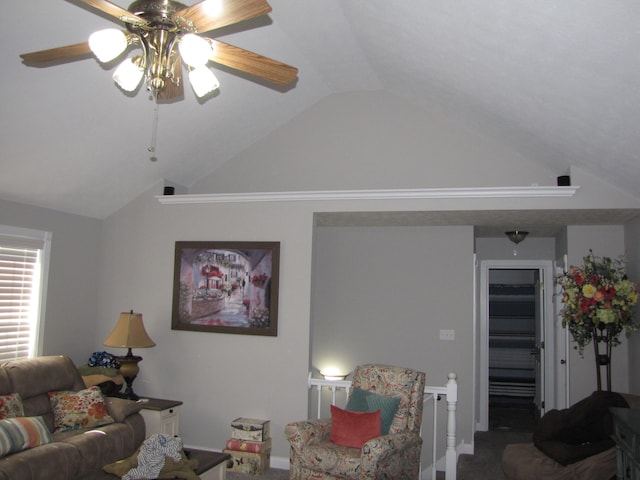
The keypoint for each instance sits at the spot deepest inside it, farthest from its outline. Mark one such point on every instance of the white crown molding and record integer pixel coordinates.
(399, 194)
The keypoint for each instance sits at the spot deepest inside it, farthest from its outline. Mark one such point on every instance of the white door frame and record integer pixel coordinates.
(546, 277)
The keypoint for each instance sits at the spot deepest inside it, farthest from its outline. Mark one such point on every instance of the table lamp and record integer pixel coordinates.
(129, 333)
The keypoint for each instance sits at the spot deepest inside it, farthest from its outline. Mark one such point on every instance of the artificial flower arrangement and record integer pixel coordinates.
(598, 296)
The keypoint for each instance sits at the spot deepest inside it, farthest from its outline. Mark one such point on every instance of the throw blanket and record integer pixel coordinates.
(151, 456)
(579, 431)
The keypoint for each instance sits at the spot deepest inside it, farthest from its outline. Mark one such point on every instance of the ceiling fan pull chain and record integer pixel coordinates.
(154, 133)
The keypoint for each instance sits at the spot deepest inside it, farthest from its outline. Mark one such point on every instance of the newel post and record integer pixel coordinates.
(451, 456)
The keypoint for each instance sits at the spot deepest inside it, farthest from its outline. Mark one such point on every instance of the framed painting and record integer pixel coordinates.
(226, 287)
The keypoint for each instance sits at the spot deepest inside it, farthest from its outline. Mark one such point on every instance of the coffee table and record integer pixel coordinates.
(211, 465)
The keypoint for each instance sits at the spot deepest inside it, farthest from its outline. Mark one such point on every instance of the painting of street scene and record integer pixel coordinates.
(226, 287)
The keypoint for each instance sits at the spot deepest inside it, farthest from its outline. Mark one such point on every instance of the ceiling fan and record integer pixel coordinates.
(167, 32)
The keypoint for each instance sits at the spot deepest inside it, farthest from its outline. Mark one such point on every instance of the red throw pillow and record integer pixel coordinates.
(353, 429)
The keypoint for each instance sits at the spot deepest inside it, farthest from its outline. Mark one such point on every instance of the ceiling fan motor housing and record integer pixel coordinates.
(157, 12)
(159, 36)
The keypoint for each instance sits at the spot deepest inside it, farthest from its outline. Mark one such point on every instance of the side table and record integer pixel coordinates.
(626, 425)
(161, 416)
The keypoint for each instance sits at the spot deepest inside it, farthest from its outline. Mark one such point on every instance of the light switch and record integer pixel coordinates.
(447, 335)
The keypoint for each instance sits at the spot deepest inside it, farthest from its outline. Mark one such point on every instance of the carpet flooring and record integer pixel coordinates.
(271, 474)
(508, 423)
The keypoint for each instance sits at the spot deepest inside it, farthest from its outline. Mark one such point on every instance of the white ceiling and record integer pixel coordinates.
(557, 80)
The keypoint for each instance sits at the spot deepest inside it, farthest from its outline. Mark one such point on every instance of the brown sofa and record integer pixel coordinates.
(72, 454)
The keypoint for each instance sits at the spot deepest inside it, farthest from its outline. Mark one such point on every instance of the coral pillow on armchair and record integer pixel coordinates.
(353, 429)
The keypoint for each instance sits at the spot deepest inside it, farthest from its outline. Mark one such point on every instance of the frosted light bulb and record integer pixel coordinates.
(108, 44)
(194, 50)
(203, 81)
(128, 75)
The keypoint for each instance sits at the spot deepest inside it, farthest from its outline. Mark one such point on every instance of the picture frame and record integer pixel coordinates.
(226, 287)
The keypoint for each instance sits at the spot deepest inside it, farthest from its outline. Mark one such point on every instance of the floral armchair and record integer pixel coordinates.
(392, 456)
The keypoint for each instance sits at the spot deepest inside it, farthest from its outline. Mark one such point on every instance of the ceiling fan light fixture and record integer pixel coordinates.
(166, 31)
(108, 44)
(194, 50)
(129, 74)
(203, 81)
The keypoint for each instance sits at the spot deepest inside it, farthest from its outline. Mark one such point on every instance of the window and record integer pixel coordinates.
(23, 269)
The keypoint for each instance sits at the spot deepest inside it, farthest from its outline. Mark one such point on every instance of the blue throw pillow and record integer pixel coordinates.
(357, 400)
(365, 401)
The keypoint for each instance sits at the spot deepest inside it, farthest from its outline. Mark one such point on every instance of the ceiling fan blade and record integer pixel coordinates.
(171, 90)
(211, 14)
(59, 53)
(116, 11)
(253, 63)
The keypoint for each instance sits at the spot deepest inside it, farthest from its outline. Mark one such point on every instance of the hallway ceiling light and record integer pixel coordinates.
(516, 236)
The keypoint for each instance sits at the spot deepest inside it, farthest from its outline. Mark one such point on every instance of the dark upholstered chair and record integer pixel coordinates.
(392, 456)
(524, 461)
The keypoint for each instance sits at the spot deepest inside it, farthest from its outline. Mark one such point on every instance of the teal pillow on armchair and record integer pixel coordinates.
(365, 401)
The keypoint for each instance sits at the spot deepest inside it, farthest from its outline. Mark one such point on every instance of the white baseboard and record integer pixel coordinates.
(280, 462)
(465, 448)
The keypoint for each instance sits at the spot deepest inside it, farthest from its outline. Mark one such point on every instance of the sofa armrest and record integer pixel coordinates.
(398, 448)
(121, 408)
(307, 432)
(137, 425)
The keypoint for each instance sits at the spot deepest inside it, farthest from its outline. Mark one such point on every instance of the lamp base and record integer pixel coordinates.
(129, 370)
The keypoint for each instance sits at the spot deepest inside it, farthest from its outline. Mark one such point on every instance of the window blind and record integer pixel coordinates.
(19, 282)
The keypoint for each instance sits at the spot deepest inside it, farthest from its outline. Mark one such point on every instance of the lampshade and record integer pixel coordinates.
(516, 236)
(333, 373)
(203, 81)
(129, 333)
(128, 75)
(108, 44)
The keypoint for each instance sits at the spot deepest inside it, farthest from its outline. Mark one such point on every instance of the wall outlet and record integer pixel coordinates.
(447, 335)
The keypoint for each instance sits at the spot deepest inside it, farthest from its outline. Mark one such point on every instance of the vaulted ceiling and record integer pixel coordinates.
(558, 81)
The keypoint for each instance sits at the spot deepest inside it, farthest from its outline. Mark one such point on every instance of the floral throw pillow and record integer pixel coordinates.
(76, 410)
(11, 406)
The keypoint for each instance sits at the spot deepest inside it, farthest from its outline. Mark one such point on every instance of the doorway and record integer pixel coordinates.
(516, 324)
(516, 378)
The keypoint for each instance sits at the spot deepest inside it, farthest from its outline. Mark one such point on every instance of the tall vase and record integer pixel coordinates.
(602, 338)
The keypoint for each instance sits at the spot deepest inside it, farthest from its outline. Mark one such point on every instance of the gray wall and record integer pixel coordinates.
(219, 377)
(71, 303)
(363, 140)
(382, 295)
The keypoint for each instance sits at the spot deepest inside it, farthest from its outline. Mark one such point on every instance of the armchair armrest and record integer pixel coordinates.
(395, 448)
(307, 432)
